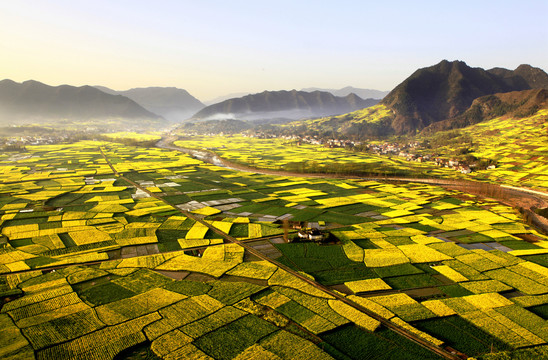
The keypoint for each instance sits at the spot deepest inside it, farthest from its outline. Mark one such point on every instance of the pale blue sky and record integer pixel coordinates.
(213, 47)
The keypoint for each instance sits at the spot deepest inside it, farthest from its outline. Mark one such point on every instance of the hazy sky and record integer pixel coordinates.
(214, 47)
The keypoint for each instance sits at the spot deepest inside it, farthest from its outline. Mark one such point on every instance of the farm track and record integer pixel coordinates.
(387, 323)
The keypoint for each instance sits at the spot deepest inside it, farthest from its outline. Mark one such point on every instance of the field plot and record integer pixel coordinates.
(136, 270)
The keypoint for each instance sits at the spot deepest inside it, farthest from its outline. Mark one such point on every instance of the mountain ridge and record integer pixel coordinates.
(444, 96)
(447, 89)
(516, 104)
(289, 104)
(172, 103)
(32, 100)
(222, 98)
(363, 93)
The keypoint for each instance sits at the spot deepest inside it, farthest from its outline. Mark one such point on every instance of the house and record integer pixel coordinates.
(310, 235)
(315, 235)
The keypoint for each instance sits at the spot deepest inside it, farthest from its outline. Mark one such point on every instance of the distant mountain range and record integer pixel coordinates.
(443, 96)
(219, 99)
(363, 93)
(446, 90)
(283, 104)
(171, 103)
(33, 101)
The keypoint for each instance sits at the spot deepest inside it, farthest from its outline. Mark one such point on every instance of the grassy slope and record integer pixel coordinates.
(371, 121)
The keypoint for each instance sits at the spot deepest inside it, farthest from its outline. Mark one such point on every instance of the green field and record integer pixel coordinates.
(135, 271)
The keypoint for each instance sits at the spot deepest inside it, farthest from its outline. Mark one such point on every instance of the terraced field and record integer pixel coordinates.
(111, 250)
(520, 146)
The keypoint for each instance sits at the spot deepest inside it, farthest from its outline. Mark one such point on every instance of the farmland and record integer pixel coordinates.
(109, 249)
(518, 148)
(517, 145)
(290, 155)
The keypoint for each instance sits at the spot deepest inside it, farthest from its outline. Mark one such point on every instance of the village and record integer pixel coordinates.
(412, 151)
(19, 143)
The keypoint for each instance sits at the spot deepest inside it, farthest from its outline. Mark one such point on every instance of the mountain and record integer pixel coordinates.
(283, 104)
(523, 75)
(31, 100)
(172, 103)
(516, 104)
(219, 99)
(444, 96)
(363, 93)
(107, 90)
(446, 90)
(373, 121)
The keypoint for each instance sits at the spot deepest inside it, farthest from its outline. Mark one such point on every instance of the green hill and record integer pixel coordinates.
(369, 122)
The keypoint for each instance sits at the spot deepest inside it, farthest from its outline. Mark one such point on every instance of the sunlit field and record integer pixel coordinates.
(127, 271)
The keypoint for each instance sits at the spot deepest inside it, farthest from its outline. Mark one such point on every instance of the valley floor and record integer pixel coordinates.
(112, 250)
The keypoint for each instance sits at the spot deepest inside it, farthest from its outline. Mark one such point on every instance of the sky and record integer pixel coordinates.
(213, 47)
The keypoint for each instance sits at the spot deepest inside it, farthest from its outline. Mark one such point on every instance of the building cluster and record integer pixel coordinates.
(22, 141)
(407, 151)
(308, 139)
(262, 135)
(404, 150)
(314, 235)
